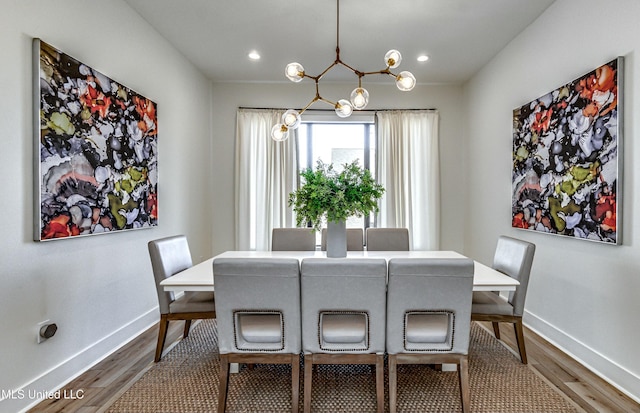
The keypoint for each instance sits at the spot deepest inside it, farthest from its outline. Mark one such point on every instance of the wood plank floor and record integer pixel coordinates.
(111, 377)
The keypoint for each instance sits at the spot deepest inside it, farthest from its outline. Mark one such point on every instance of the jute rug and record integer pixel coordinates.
(186, 381)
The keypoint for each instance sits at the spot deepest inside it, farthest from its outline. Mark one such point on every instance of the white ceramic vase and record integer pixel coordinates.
(337, 239)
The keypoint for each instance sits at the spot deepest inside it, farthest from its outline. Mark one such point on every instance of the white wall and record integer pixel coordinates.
(583, 296)
(227, 97)
(99, 290)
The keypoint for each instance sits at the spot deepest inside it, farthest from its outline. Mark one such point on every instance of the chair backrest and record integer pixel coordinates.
(355, 240)
(168, 256)
(514, 257)
(343, 305)
(387, 239)
(257, 305)
(429, 305)
(293, 239)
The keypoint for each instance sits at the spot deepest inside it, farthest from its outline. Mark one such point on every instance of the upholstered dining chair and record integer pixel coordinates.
(429, 317)
(514, 258)
(169, 256)
(387, 239)
(355, 240)
(258, 319)
(293, 239)
(343, 316)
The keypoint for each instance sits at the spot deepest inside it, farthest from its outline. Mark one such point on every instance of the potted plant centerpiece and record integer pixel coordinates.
(336, 196)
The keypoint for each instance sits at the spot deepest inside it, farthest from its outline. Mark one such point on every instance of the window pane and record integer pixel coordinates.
(337, 143)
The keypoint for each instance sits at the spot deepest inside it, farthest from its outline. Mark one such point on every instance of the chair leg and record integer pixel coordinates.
(162, 336)
(308, 373)
(496, 329)
(393, 378)
(520, 340)
(224, 383)
(187, 327)
(295, 382)
(465, 393)
(380, 382)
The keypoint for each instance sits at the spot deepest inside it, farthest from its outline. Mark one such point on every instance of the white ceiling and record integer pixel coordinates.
(460, 36)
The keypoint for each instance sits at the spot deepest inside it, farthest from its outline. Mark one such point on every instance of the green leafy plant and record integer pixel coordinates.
(336, 195)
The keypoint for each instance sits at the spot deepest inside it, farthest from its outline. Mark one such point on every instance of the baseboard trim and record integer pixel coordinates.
(610, 371)
(52, 380)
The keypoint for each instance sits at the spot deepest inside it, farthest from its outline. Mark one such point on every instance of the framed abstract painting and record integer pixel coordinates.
(567, 158)
(95, 151)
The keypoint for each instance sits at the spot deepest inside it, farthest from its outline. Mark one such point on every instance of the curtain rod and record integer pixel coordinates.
(331, 110)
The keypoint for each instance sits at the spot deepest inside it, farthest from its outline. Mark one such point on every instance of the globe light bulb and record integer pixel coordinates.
(279, 132)
(294, 72)
(344, 108)
(359, 98)
(393, 58)
(291, 119)
(405, 81)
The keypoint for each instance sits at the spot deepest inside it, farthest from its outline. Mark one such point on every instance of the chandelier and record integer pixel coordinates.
(359, 98)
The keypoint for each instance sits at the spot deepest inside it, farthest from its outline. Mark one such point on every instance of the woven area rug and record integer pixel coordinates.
(186, 381)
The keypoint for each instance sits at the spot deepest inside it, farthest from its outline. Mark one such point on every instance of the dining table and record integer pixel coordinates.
(200, 276)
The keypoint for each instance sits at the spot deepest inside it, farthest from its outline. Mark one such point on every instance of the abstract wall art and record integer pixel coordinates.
(567, 158)
(95, 151)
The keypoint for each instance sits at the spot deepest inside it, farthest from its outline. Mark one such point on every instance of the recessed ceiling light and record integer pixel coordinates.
(253, 55)
(423, 58)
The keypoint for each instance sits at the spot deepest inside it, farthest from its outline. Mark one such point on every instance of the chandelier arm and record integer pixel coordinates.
(328, 101)
(393, 75)
(357, 72)
(337, 29)
(314, 100)
(379, 72)
(331, 66)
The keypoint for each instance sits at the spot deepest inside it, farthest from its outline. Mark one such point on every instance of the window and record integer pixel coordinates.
(338, 143)
(404, 160)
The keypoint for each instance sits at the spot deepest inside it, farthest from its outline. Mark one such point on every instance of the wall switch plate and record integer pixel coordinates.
(39, 338)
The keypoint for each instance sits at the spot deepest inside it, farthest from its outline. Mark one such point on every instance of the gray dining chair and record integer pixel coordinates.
(514, 258)
(258, 310)
(355, 240)
(343, 316)
(429, 317)
(387, 239)
(293, 239)
(169, 256)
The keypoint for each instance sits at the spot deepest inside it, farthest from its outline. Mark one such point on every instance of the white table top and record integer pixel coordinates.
(200, 276)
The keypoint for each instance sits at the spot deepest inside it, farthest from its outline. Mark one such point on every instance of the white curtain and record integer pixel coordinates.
(408, 168)
(265, 173)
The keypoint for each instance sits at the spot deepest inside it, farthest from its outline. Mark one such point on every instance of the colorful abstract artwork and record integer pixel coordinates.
(95, 151)
(567, 158)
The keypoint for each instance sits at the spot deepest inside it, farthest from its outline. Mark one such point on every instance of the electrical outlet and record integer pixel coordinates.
(39, 338)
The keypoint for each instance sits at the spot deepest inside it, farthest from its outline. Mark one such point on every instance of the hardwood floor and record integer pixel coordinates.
(112, 375)
(588, 391)
(105, 381)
